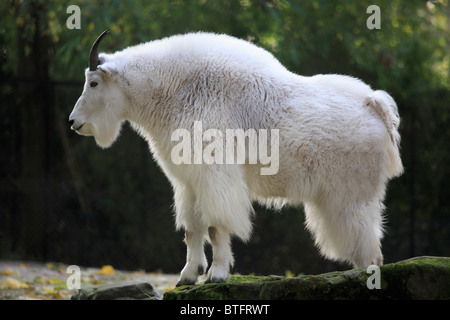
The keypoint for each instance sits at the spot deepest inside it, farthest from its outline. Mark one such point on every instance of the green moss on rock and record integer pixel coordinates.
(416, 278)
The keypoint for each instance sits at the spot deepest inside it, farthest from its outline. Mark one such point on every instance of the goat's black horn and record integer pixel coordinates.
(93, 55)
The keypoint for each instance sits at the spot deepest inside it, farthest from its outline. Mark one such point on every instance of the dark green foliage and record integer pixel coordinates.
(64, 199)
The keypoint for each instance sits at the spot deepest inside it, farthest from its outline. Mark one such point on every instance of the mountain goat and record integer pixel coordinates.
(335, 141)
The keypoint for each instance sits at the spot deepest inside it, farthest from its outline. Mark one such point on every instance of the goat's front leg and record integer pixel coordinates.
(196, 263)
(222, 256)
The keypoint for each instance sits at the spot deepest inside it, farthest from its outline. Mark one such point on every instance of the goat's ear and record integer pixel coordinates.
(107, 69)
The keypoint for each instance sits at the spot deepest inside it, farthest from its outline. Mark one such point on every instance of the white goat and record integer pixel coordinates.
(338, 141)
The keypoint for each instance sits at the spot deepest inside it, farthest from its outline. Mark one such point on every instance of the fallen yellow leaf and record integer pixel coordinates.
(169, 288)
(106, 270)
(8, 272)
(11, 283)
(58, 296)
(50, 291)
(40, 281)
(55, 281)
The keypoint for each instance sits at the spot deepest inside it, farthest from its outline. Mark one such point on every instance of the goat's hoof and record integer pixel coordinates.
(218, 273)
(185, 282)
(215, 280)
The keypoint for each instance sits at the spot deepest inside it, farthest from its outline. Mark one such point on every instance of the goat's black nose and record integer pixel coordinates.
(71, 121)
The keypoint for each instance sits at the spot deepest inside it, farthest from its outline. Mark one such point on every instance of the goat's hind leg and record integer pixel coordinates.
(348, 233)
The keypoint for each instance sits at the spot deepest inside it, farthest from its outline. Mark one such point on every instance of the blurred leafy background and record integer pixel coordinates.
(63, 199)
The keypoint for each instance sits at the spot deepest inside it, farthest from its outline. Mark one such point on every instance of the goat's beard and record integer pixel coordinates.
(106, 133)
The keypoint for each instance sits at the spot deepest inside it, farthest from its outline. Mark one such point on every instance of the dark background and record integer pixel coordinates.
(65, 200)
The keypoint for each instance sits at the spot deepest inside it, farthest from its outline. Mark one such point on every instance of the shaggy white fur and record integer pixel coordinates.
(338, 141)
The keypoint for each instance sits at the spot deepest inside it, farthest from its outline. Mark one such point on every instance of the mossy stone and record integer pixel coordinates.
(416, 278)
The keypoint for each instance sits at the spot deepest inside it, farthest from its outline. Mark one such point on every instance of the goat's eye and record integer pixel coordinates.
(93, 84)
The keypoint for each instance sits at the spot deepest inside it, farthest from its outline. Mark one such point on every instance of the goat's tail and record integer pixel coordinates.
(386, 108)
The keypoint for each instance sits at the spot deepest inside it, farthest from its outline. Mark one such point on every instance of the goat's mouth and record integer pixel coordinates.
(83, 129)
(77, 128)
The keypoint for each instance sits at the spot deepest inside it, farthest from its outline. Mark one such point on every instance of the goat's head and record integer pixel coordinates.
(100, 110)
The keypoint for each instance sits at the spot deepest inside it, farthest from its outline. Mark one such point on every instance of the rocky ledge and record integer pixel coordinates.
(416, 278)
